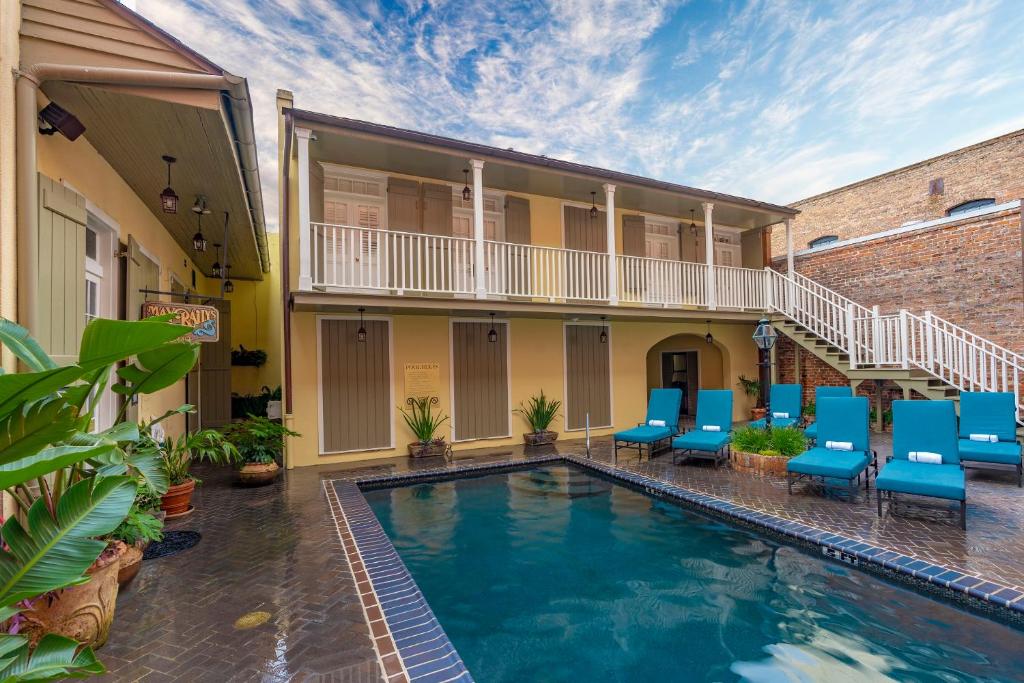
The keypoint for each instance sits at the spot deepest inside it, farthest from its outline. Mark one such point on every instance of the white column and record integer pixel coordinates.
(789, 245)
(303, 135)
(609, 207)
(478, 228)
(709, 254)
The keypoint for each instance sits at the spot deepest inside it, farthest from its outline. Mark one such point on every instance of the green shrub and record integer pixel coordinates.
(539, 412)
(785, 442)
(421, 419)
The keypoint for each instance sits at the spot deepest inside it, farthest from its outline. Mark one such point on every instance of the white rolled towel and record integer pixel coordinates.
(711, 428)
(990, 438)
(655, 423)
(925, 456)
(839, 445)
(780, 414)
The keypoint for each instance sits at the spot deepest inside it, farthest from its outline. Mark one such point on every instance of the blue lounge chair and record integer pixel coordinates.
(710, 439)
(663, 407)
(783, 400)
(924, 427)
(843, 453)
(992, 415)
(811, 432)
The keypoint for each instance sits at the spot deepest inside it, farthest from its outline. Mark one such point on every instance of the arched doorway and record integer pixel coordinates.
(687, 362)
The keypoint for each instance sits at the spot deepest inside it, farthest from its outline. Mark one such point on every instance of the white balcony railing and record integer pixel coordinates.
(526, 270)
(661, 282)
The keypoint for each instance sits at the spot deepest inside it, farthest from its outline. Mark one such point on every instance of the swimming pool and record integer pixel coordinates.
(555, 574)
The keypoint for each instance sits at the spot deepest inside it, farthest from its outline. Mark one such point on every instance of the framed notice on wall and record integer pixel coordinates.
(422, 380)
(204, 320)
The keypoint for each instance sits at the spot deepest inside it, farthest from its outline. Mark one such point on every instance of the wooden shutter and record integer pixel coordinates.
(143, 273)
(584, 233)
(587, 377)
(355, 385)
(437, 209)
(480, 376)
(60, 280)
(403, 205)
(517, 220)
(209, 383)
(633, 235)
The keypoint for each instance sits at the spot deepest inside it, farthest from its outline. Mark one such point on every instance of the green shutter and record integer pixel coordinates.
(61, 270)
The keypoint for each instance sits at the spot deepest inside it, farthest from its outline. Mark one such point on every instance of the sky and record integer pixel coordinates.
(773, 100)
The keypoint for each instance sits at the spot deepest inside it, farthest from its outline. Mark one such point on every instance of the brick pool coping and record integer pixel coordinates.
(412, 644)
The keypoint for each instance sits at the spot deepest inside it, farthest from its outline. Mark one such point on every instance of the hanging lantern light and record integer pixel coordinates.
(198, 240)
(492, 335)
(229, 286)
(168, 198)
(693, 224)
(604, 332)
(361, 332)
(707, 337)
(593, 205)
(467, 191)
(216, 264)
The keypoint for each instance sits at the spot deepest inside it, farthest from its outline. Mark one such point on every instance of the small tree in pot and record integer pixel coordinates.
(260, 443)
(424, 423)
(178, 455)
(752, 388)
(539, 412)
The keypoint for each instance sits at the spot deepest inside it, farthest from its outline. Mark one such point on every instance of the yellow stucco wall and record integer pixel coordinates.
(256, 324)
(536, 362)
(79, 166)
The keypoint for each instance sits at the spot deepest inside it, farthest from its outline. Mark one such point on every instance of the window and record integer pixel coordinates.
(353, 199)
(824, 239)
(660, 239)
(494, 216)
(964, 207)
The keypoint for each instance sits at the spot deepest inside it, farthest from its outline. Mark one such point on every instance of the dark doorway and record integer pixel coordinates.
(679, 371)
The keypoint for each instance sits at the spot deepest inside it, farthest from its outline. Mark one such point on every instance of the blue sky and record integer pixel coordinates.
(771, 100)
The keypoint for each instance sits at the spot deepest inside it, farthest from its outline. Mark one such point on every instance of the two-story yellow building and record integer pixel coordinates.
(414, 264)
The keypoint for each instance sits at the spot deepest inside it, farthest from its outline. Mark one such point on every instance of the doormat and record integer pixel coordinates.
(174, 542)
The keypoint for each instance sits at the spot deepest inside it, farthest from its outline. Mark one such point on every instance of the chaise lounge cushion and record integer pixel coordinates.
(811, 432)
(701, 441)
(776, 422)
(643, 434)
(1001, 452)
(822, 462)
(937, 481)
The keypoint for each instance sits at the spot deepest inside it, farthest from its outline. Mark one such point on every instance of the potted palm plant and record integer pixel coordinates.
(72, 488)
(260, 442)
(424, 423)
(539, 412)
(207, 445)
(752, 388)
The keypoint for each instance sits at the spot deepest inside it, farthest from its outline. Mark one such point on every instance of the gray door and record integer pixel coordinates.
(209, 383)
(480, 374)
(587, 377)
(355, 385)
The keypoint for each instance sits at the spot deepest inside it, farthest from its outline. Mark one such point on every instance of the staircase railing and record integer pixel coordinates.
(904, 340)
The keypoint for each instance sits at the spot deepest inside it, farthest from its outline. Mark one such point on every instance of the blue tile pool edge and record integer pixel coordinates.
(990, 597)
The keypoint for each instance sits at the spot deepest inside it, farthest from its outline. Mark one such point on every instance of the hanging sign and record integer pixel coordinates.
(422, 380)
(204, 320)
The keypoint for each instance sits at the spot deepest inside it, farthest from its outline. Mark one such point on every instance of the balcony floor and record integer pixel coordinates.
(276, 549)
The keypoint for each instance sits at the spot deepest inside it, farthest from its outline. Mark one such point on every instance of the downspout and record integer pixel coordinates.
(286, 285)
(29, 81)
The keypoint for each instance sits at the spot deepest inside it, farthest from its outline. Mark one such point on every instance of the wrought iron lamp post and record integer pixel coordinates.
(765, 336)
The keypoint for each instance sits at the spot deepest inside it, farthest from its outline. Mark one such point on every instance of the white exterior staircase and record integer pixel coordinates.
(926, 353)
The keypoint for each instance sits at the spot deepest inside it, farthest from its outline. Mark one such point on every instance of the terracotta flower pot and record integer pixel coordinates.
(84, 612)
(543, 438)
(131, 563)
(418, 449)
(177, 501)
(258, 474)
(758, 413)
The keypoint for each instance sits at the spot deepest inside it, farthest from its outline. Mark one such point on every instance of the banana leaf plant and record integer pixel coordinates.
(85, 482)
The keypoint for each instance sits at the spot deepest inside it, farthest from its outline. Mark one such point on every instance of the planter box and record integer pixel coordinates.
(545, 438)
(253, 474)
(418, 449)
(754, 463)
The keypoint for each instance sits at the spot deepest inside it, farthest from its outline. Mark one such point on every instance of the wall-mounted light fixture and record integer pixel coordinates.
(492, 334)
(361, 332)
(168, 198)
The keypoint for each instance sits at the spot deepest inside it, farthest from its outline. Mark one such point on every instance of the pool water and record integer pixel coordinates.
(553, 574)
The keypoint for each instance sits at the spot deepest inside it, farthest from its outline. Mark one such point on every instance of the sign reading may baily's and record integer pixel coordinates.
(204, 320)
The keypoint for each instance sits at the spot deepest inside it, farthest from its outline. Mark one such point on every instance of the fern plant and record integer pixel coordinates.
(539, 412)
(421, 419)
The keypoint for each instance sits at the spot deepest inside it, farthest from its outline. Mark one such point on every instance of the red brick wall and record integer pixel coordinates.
(994, 168)
(969, 272)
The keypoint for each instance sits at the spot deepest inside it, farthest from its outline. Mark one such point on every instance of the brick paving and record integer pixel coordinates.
(276, 549)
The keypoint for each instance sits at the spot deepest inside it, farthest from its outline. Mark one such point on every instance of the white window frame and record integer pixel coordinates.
(565, 372)
(320, 382)
(451, 374)
(352, 173)
(467, 212)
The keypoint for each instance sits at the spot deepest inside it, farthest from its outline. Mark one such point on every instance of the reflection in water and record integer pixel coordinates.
(552, 574)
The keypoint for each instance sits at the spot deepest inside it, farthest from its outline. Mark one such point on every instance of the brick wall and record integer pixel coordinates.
(994, 168)
(969, 272)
